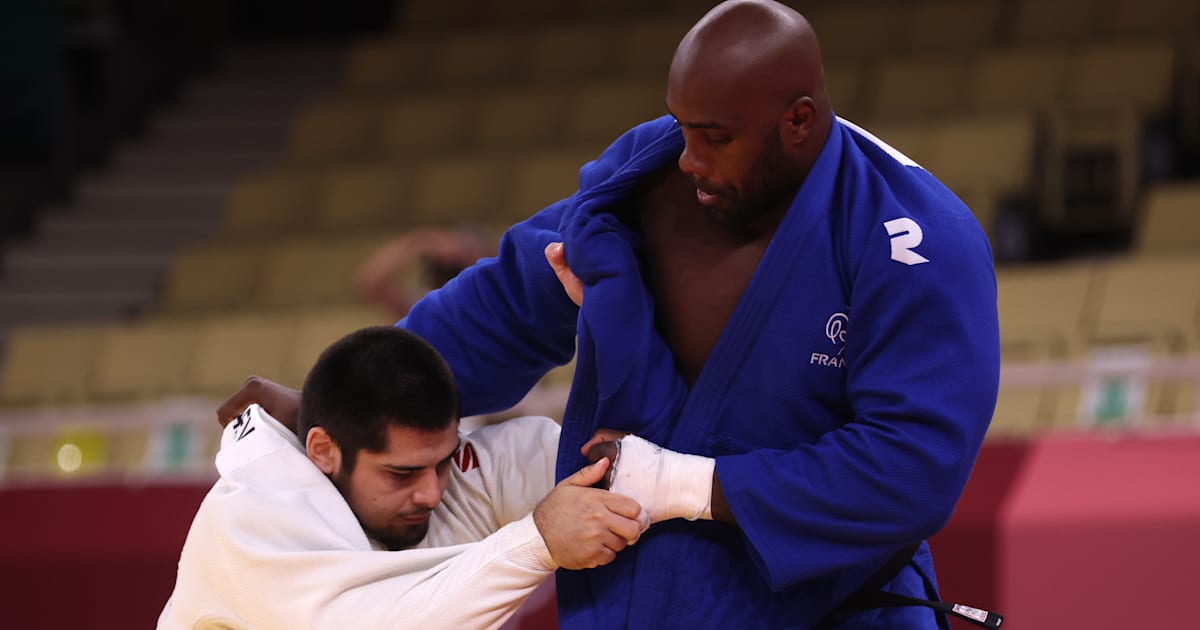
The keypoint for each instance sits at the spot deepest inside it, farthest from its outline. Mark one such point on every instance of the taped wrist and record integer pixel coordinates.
(666, 484)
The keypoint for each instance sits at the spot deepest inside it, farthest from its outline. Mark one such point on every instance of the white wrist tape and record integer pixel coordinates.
(666, 484)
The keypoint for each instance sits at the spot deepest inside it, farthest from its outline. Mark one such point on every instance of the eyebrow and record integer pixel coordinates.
(396, 468)
(698, 125)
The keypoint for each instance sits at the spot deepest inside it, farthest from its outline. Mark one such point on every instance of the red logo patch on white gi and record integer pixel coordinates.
(465, 458)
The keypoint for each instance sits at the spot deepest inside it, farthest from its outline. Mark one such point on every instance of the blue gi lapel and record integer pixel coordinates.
(770, 280)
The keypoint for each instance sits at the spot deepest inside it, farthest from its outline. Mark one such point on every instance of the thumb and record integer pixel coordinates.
(588, 475)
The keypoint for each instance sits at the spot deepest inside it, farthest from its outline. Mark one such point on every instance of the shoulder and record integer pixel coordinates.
(518, 435)
(898, 215)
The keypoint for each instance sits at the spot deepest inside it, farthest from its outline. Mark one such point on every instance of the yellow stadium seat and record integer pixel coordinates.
(546, 177)
(434, 123)
(569, 51)
(369, 195)
(390, 65)
(144, 359)
(480, 58)
(1170, 221)
(920, 87)
(1022, 81)
(1151, 300)
(270, 203)
(315, 272)
(1043, 310)
(1147, 72)
(1146, 20)
(948, 26)
(48, 363)
(846, 83)
(512, 121)
(648, 44)
(317, 328)
(916, 140)
(337, 130)
(856, 31)
(233, 347)
(992, 154)
(601, 111)
(1058, 22)
(457, 189)
(213, 277)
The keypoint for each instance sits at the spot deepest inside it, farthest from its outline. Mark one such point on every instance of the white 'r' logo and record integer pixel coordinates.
(906, 235)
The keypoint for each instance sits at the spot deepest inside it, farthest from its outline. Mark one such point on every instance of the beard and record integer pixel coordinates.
(398, 537)
(769, 186)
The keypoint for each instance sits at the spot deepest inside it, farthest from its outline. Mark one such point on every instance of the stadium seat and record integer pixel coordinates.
(1146, 71)
(920, 87)
(991, 154)
(48, 364)
(856, 31)
(378, 194)
(314, 272)
(563, 53)
(1057, 22)
(1043, 310)
(1025, 80)
(337, 130)
(1151, 20)
(213, 277)
(271, 202)
(512, 121)
(545, 177)
(948, 26)
(1150, 300)
(390, 65)
(483, 58)
(847, 83)
(648, 45)
(428, 124)
(233, 347)
(601, 111)
(1170, 220)
(461, 188)
(317, 328)
(144, 359)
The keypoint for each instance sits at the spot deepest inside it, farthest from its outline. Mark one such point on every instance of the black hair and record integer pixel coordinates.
(371, 379)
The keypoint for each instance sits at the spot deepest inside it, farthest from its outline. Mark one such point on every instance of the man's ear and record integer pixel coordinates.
(797, 121)
(323, 451)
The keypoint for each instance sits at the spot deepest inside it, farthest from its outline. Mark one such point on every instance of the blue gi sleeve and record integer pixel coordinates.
(504, 322)
(922, 354)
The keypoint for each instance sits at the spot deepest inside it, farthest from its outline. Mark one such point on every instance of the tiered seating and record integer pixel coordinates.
(482, 113)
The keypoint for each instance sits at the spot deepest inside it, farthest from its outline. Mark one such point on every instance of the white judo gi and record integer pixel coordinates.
(275, 546)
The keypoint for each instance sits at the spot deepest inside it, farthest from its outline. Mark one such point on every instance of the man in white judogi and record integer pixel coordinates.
(422, 528)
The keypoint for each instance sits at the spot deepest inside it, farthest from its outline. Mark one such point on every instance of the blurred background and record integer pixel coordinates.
(192, 191)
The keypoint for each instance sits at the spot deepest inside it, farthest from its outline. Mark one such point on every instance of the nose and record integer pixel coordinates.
(428, 491)
(691, 163)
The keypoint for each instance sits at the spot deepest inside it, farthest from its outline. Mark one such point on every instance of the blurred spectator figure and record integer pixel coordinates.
(399, 273)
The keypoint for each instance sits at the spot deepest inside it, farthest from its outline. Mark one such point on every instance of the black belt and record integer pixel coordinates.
(870, 595)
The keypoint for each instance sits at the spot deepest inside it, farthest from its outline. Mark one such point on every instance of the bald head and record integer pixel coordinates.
(748, 90)
(755, 48)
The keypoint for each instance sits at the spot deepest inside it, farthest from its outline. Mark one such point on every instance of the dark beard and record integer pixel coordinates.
(772, 189)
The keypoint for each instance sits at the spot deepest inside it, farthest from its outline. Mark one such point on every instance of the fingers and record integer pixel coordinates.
(623, 506)
(558, 261)
(588, 475)
(245, 396)
(602, 435)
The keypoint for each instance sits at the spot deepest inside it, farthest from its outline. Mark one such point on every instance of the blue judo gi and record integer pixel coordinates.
(845, 401)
